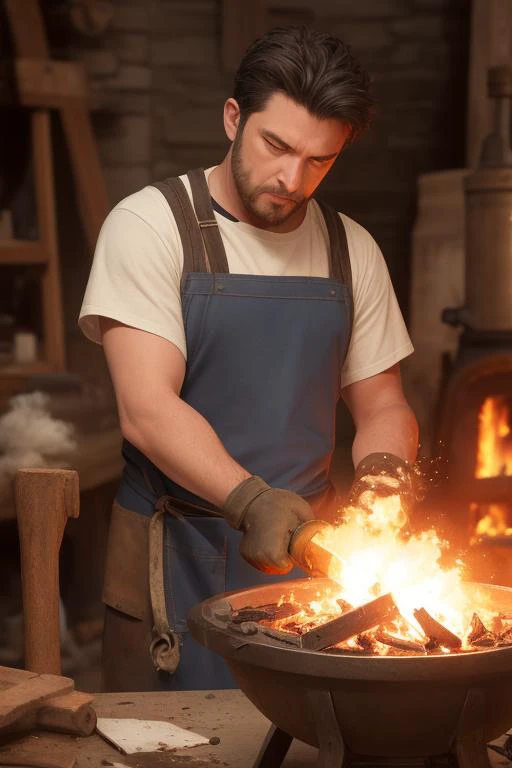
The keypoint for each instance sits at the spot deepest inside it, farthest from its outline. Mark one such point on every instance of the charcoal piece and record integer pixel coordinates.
(399, 643)
(366, 643)
(350, 624)
(435, 631)
(497, 625)
(477, 629)
(487, 640)
(352, 650)
(286, 610)
(250, 614)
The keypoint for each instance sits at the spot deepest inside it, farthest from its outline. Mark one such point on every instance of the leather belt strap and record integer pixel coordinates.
(165, 646)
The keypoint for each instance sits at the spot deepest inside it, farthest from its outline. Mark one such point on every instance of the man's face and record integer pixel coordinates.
(279, 158)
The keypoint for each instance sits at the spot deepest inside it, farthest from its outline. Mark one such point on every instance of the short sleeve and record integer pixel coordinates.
(379, 336)
(136, 271)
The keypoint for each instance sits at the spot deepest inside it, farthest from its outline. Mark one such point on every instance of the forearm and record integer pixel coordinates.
(184, 446)
(393, 429)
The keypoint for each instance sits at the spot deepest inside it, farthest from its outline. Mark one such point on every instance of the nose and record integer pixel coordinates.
(290, 176)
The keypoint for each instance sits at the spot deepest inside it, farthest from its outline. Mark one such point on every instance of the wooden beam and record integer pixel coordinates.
(349, 624)
(22, 252)
(90, 184)
(46, 83)
(27, 25)
(53, 321)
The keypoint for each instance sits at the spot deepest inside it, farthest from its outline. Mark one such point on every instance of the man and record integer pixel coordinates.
(229, 344)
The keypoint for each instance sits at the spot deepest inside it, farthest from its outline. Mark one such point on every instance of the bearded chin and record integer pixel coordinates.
(249, 195)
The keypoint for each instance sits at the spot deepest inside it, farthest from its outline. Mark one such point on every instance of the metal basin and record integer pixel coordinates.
(384, 706)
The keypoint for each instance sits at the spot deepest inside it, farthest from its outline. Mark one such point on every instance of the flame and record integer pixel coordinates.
(494, 458)
(494, 455)
(375, 556)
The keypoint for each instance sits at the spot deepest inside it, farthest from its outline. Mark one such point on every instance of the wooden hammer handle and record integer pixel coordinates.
(45, 498)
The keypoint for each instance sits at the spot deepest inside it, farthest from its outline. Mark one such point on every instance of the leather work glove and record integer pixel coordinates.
(380, 475)
(268, 517)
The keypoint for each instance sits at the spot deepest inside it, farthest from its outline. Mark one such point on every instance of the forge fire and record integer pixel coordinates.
(389, 595)
(494, 459)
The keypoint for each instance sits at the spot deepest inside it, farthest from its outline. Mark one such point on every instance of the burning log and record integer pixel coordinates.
(250, 614)
(411, 646)
(436, 633)
(283, 611)
(478, 629)
(349, 624)
(284, 637)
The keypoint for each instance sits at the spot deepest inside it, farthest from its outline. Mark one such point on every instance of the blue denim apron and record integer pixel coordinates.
(264, 363)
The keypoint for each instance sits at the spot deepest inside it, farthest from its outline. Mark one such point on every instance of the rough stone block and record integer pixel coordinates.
(124, 181)
(420, 27)
(120, 102)
(131, 18)
(192, 125)
(130, 77)
(125, 141)
(186, 52)
(348, 9)
(132, 48)
(361, 35)
(100, 63)
(177, 19)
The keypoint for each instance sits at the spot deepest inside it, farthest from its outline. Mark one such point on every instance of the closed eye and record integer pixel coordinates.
(274, 146)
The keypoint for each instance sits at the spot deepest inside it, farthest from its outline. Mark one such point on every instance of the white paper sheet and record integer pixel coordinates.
(131, 735)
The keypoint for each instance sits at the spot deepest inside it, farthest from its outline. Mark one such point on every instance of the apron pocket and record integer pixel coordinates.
(126, 586)
(195, 557)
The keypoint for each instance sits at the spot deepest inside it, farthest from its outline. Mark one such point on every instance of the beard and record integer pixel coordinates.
(267, 211)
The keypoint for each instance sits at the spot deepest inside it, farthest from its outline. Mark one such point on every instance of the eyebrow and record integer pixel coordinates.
(283, 145)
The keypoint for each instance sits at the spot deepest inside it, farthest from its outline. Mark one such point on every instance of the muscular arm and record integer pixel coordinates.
(383, 419)
(147, 372)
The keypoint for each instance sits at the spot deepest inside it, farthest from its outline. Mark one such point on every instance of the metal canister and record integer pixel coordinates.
(488, 193)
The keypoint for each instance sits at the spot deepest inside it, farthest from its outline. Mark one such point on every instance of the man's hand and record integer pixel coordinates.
(268, 517)
(383, 474)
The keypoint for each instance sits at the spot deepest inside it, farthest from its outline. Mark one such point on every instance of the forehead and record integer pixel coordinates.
(298, 128)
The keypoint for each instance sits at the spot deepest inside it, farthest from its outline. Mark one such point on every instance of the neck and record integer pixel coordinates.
(223, 190)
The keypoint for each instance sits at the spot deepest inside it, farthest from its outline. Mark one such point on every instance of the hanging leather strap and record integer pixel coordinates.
(165, 645)
(214, 247)
(339, 260)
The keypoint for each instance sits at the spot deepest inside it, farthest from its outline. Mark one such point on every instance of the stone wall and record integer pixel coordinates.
(159, 87)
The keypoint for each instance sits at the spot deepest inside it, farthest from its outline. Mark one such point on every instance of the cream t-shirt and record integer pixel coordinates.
(136, 273)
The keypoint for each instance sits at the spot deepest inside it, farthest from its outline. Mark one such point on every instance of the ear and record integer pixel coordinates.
(231, 118)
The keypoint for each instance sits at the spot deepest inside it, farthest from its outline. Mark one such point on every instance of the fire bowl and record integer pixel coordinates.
(387, 706)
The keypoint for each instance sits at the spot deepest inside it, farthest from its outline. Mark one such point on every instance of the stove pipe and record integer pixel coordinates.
(488, 195)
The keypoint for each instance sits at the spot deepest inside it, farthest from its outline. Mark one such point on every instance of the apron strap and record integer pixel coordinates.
(215, 252)
(194, 259)
(339, 261)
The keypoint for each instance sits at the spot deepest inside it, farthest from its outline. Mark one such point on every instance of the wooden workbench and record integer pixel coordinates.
(227, 715)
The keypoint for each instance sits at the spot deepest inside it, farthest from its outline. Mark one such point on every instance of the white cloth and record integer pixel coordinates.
(136, 272)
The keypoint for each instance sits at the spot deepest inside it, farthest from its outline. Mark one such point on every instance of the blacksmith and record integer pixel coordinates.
(235, 311)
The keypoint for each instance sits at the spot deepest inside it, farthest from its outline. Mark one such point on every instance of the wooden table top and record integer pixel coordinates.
(228, 715)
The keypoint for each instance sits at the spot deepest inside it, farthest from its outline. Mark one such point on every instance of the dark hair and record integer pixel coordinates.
(316, 70)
